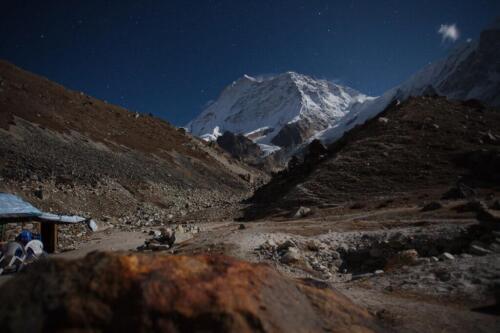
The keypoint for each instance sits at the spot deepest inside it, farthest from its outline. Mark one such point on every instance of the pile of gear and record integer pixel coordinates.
(162, 240)
(27, 248)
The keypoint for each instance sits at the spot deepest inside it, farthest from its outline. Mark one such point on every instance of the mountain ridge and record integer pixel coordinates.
(263, 107)
(471, 70)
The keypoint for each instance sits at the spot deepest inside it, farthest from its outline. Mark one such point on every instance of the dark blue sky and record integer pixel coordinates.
(171, 57)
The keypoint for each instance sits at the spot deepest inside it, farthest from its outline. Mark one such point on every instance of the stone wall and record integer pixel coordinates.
(11, 230)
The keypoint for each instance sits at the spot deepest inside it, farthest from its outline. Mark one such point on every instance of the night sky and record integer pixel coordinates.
(171, 57)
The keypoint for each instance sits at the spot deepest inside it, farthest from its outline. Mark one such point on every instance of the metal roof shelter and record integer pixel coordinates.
(14, 209)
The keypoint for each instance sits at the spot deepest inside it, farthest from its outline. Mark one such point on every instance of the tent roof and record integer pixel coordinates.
(12, 206)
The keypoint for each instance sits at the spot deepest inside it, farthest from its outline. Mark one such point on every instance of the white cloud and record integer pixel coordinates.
(449, 32)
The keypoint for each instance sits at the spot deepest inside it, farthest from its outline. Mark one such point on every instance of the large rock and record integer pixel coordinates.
(402, 258)
(291, 255)
(146, 293)
(302, 212)
(240, 147)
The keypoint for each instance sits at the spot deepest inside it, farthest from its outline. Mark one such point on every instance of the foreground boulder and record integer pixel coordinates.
(146, 293)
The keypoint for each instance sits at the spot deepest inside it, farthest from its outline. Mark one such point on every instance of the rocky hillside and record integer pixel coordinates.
(66, 151)
(422, 145)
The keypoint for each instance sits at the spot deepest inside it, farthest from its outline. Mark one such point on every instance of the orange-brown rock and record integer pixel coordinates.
(154, 293)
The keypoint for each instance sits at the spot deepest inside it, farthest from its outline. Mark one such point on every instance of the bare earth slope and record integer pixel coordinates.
(423, 145)
(66, 151)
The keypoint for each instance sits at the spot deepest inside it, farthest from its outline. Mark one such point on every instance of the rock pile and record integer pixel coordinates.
(315, 256)
(345, 256)
(302, 212)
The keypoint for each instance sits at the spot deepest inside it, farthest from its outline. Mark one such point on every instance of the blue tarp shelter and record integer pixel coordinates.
(14, 209)
(12, 206)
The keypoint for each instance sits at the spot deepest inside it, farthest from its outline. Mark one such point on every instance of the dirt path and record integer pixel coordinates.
(405, 310)
(406, 314)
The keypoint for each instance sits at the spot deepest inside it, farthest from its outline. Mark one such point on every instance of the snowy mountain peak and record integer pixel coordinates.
(470, 71)
(283, 110)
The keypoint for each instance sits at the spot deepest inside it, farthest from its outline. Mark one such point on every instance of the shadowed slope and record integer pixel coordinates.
(422, 144)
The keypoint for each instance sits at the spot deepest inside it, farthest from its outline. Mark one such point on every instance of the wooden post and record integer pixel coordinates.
(49, 237)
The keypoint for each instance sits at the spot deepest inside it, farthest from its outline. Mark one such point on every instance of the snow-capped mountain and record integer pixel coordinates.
(290, 110)
(281, 111)
(470, 71)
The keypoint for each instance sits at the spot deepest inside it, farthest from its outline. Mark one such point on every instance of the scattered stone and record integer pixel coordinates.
(446, 256)
(472, 206)
(241, 226)
(443, 275)
(302, 212)
(270, 243)
(360, 276)
(489, 218)
(490, 138)
(358, 205)
(434, 259)
(292, 255)
(335, 255)
(383, 120)
(92, 225)
(313, 245)
(435, 205)
(403, 258)
(38, 193)
(478, 250)
(378, 272)
(286, 245)
(495, 247)
(460, 191)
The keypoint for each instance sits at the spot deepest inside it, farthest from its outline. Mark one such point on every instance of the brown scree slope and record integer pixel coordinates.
(111, 161)
(420, 145)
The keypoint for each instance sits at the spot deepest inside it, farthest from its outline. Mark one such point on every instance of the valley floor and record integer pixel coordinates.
(417, 271)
